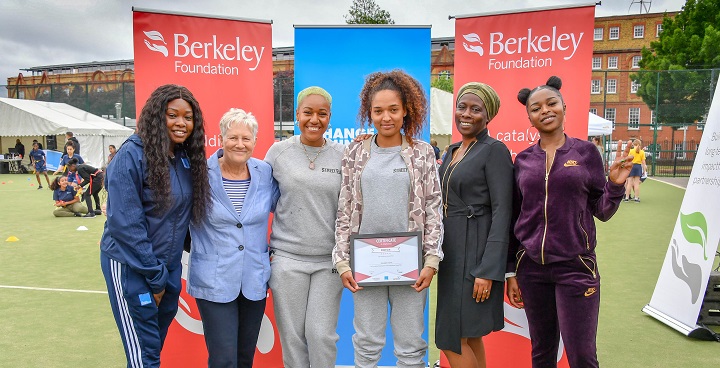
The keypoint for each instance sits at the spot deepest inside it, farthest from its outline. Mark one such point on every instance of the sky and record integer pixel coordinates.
(46, 32)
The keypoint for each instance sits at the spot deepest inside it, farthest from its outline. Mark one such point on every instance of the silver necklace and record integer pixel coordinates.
(312, 162)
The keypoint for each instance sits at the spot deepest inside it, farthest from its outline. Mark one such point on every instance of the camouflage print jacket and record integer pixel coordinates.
(424, 208)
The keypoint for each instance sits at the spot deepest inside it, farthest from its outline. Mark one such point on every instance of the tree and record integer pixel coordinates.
(445, 84)
(680, 88)
(367, 12)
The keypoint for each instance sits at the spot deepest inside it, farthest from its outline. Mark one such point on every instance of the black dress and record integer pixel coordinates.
(477, 201)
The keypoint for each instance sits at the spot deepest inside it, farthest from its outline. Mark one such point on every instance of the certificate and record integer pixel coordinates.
(386, 259)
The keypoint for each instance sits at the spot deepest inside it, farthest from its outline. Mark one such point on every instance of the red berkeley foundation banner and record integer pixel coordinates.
(225, 63)
(511, 51)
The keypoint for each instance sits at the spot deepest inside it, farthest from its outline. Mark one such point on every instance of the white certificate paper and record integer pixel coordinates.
(386, 259)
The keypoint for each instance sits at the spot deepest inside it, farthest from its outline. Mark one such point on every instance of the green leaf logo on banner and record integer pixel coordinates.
(694, 228)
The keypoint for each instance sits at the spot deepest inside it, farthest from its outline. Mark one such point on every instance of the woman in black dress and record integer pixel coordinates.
(477, 180)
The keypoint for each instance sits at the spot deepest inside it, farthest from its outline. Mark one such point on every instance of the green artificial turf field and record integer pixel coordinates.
(40, 328)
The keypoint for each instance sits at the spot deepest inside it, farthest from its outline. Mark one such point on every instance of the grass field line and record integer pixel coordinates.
(668, 183)
(52, 289)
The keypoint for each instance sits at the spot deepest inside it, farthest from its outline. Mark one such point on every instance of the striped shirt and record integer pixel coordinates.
(236, 190)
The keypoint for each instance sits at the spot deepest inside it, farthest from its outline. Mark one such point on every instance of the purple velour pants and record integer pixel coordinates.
(561, 298)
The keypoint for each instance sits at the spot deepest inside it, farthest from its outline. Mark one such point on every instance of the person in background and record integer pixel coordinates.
(597, 141)
(69, 137)
(112, 150)
(40, 146)
(66, 199)
(37, 159)
(552, 266)
(70, 155)
(477, 183)
(229, 261)
(156, 184)
(444, 153)
(20, 148)
(639, 167)
(389, 185)
(89, 177)
(435, 148)
(306, 289)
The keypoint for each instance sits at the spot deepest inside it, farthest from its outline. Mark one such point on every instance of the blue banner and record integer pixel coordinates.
(339, 59)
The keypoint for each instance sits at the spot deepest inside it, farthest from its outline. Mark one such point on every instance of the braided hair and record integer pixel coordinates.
(152, 129)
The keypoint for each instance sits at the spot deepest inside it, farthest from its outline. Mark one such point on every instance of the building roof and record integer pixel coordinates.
(95, 65)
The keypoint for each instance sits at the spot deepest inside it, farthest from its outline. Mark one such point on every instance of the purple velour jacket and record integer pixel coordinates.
(553, 215)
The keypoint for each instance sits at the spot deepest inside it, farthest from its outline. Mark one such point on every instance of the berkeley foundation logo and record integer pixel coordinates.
(694, 229)
(156, 36)
(473, 37)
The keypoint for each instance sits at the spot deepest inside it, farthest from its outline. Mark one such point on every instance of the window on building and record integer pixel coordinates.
(445, 74)
(636, 61)
(610, 115)
(595, 86)
(593, 110)
(634, 118)
(634, 86)
(612, 62)
(598, 35)
(658, 30)
(597, 62)
(680, 150)
(653, 121)
(614, 33)
(639, 31)
(611, 86)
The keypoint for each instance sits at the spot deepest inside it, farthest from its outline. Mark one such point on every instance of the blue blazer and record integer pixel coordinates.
(229, 251)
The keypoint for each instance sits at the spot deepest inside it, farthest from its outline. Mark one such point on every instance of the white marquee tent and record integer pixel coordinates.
(28, 118)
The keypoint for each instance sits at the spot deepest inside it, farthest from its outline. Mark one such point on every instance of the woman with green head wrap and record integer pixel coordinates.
(477, 180)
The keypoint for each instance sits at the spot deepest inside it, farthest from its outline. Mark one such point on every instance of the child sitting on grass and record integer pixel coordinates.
(67, 202)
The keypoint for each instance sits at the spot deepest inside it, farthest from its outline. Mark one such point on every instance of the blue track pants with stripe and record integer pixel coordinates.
(142, 325)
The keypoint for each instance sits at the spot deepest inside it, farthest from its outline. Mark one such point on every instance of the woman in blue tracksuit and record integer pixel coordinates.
(156, 184)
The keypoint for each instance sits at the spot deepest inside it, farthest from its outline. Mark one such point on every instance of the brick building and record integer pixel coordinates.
(101, 76)
(618, 42)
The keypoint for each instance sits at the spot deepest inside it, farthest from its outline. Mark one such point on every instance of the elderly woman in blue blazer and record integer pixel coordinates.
(229, 262)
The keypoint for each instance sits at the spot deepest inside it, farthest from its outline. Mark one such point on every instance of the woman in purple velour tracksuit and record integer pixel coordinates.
(559, 186)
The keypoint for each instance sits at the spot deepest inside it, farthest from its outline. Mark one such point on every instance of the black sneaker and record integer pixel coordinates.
(77, 214)
(90, 214)
(39, 187)
(98, 212)
(625, 200)
(637, 199)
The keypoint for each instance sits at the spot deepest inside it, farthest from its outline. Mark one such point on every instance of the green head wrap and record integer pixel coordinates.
(486, 93)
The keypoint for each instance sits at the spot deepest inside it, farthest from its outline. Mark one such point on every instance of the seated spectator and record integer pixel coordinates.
(89, 176)
(70, 148)
(66, 199)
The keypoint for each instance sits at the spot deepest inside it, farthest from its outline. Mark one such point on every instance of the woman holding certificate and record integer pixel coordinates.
(477, 180)
(390, 185)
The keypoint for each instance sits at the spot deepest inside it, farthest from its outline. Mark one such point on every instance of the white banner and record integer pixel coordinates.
(683, 279)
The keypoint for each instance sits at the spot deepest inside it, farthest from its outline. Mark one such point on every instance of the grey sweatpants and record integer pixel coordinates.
(306, 296)
(407, 308)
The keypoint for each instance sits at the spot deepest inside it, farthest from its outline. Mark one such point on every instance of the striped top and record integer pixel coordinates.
(236, 190)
